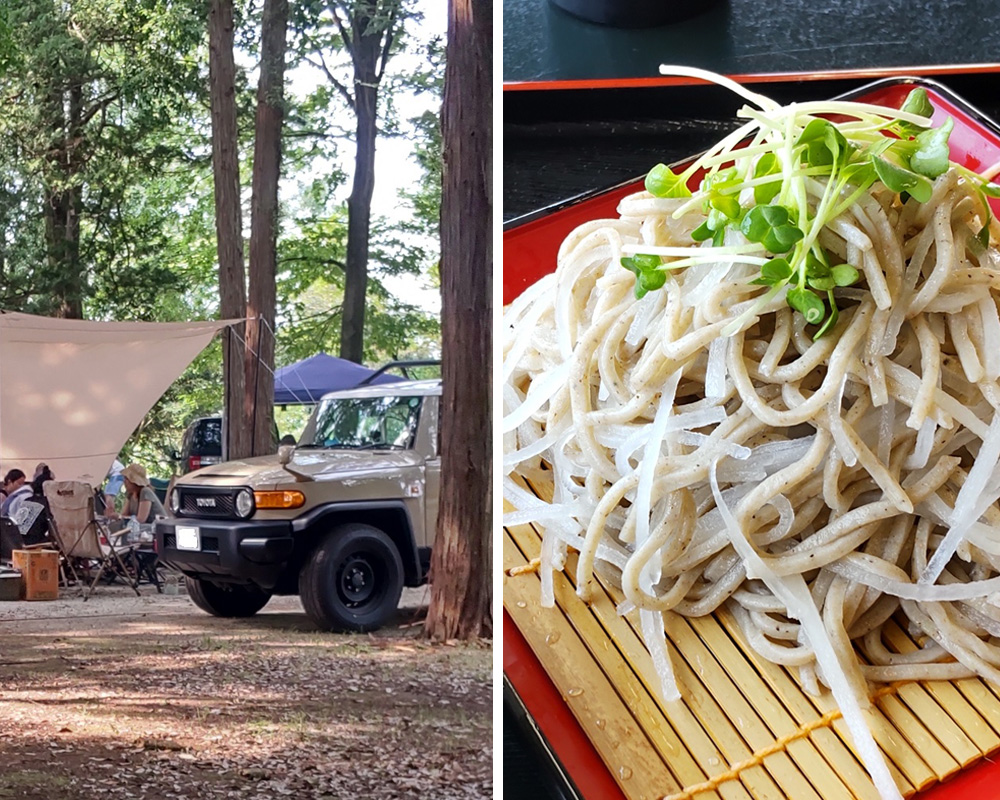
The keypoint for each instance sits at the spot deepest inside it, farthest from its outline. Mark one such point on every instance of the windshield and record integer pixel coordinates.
(369, 422)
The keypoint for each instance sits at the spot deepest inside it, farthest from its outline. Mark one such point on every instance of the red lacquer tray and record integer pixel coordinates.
(530, 245)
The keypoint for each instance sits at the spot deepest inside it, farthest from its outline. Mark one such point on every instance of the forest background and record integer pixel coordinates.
(106, 185)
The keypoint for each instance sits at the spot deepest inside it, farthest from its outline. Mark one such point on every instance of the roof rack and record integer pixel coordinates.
(402, 366)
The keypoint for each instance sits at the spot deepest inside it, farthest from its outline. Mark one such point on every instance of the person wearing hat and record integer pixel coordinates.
(141, 501)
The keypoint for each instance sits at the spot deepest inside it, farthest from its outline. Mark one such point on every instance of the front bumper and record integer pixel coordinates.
(231, 550)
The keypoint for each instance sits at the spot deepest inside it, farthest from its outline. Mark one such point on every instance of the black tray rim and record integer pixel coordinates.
(939, 88)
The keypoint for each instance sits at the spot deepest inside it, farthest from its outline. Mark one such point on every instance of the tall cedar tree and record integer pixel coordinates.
(367, 31)
(460, 589)
(259, 407)
(228, 218)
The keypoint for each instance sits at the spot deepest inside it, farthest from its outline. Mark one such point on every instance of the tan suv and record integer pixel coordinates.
(344, 519)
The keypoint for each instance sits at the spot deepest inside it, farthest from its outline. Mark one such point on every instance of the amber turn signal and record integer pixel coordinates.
(285, 499)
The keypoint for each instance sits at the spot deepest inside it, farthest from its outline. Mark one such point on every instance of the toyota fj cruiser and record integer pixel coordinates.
(344, 519)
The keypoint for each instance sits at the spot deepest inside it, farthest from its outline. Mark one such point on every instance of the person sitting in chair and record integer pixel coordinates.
(32, 514)
(12, 481)
(141, 501)
(17, 495)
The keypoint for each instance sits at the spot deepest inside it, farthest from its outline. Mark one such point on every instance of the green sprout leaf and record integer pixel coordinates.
(823, 284)
(769, 225)
(845, 275)
(652, 280)
(807, 304)
(720, 189)
(831, 321)
(702, 232)
(981, 240)
(728, 204)
(825, 145)
(664, 182)
(776, 271)
(916, 102)
(931, 157)
(900, 179)
(649, 275)
(766, 165)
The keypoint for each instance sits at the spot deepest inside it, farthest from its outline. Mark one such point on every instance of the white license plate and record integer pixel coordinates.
(188, 538)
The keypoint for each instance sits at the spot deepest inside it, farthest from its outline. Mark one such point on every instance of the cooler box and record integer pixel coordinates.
(40, 570)
(10, 584)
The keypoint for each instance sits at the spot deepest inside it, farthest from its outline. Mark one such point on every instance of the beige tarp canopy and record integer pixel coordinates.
(73, 391)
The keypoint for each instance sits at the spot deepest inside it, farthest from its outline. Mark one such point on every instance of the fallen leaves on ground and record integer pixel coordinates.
(181, 705)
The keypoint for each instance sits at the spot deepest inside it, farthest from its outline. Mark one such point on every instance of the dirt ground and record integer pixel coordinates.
(149, 698)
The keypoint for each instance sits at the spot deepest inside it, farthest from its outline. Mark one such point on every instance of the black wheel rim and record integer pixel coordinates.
(358, 580)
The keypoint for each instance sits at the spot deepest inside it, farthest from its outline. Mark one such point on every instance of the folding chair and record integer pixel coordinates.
(81, 536)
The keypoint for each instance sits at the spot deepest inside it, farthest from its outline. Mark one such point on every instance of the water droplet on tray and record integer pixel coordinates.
(521, 604)
(551, 638)
(574, 692)
(600, 723)
(624, 773)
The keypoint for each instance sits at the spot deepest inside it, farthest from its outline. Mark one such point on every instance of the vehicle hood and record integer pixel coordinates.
(266, 472)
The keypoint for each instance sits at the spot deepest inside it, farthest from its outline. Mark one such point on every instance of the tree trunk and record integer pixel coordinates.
(228, 220)
(62, 207)
(259, 409)
(460, 565)
(365, 53)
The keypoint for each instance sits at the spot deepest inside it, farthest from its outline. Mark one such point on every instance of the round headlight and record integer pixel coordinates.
(175, 501)
(244, 503)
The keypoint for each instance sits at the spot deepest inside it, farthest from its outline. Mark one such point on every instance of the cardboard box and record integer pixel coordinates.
(40, 572)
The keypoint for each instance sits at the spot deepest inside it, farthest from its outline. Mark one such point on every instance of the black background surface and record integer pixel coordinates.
(738, 37)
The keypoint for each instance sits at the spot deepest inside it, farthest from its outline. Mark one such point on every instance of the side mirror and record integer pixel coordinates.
(285, 453)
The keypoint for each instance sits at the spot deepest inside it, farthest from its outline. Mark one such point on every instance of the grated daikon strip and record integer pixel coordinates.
(540, 392)
(513, 456)
(886, 423)
(840, 438)
(965, 504)
(853, 568)
(991, 337)
(715, 373)
(922, 448)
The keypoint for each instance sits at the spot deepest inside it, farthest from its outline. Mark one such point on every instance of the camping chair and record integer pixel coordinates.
(80, 535)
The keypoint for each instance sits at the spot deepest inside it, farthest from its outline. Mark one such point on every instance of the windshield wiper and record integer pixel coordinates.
(379, 446)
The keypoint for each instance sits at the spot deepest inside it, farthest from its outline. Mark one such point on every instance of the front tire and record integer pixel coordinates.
(228, 600)
(353, 580)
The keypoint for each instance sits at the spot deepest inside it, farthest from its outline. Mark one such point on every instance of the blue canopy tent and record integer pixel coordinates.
(308, 380)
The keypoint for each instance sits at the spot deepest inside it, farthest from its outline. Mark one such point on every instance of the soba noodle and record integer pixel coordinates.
(706, 450)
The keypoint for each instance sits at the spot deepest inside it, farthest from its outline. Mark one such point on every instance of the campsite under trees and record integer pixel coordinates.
(140, 149)
(168, 160)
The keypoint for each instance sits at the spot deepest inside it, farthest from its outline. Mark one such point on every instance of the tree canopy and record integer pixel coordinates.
(106, 190)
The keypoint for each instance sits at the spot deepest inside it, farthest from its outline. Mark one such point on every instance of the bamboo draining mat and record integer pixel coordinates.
(740, 718)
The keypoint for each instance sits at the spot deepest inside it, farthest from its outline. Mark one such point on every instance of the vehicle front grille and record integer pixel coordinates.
(224, 506)
(209, 544)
